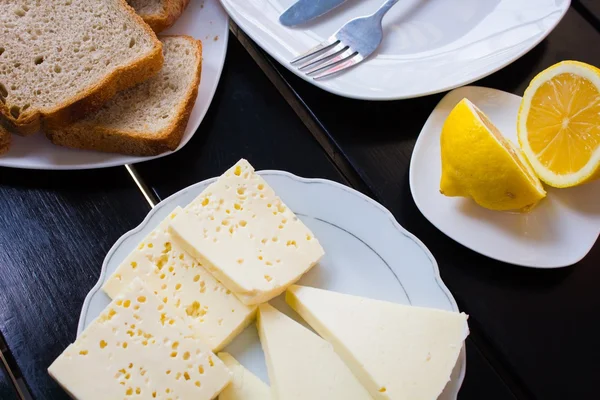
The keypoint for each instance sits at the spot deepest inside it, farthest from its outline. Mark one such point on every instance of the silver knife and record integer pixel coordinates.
(306, 10)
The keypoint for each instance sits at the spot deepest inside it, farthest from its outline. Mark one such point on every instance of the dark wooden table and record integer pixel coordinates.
(533, 332)
(7, 390)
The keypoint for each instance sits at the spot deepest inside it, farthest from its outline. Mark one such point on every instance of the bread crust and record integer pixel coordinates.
(5, 139)
(95, 137)
(93, 97)
(172, 12)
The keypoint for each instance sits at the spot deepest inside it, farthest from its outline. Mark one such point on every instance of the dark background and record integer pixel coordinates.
(534, 332)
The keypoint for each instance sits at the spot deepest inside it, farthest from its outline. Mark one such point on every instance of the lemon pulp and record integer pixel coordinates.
(559, 124)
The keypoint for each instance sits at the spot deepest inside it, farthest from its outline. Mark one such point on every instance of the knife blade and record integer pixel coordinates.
(306, 10)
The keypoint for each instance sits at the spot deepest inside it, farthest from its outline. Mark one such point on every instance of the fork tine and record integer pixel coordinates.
(339, 67)
(316, 50)
(323, 57)
(333, 62)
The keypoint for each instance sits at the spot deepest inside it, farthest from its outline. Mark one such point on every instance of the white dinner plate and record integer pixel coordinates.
(367, 253)
(558, 232)
(429, 46)
(205, 20)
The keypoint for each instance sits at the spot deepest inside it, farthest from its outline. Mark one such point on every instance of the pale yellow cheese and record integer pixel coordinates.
(301, 365)
(139, 348)
(246, 236)
(212, 311)
(244, 385)
(398, 352)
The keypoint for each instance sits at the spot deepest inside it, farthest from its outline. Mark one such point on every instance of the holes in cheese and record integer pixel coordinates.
(194, 310)
(238, 227)
(120, 348)
(180, 280)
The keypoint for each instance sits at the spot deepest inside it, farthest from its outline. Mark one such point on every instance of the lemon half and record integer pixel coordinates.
(559, 124)
(479, 163)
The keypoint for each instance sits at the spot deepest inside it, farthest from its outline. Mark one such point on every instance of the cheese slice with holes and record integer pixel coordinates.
(246, 236)
(212, 311)
(301, 365)
(139, 348)
(244, 385)
(398, 352)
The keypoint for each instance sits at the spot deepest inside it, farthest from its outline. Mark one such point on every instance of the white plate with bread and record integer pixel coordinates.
(381, 273)
(96, 87)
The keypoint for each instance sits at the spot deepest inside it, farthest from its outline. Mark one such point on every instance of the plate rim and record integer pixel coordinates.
(416, 199)
(131, 160)
(165, 202)
(394, 96)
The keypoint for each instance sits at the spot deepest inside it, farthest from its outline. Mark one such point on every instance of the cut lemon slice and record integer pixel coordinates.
(559, 124)
(479, 163)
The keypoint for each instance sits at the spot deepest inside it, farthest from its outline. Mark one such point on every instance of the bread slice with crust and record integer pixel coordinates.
(159, 14)
(59, 59)
(149, 118)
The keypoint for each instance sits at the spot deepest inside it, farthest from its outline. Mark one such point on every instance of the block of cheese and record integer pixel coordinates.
(211, 310)
(244, 385)
(246, 236)
(301, 365)
(139, 348)
(398, 352)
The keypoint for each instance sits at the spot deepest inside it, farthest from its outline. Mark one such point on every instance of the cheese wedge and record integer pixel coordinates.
(246, 236)
(302, 365)
(210, 309)
(139, 348)
(245, 385)
(398, 352)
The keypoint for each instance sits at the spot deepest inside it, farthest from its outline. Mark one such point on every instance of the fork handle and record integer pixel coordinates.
(385, 7)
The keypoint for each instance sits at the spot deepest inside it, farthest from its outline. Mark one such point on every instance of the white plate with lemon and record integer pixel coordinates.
(498, 207)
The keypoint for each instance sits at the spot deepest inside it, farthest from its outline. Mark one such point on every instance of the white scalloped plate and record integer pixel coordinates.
(367, 253)
(558, 232)
(205, 20)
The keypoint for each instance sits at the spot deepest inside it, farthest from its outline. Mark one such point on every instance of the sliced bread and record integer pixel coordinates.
(159, 14)
(59, 59)
(149, 118)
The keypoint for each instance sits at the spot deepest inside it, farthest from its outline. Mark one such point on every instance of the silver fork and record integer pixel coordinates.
(353, 43)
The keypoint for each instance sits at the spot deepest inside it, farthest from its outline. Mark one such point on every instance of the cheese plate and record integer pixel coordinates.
(367, 254)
